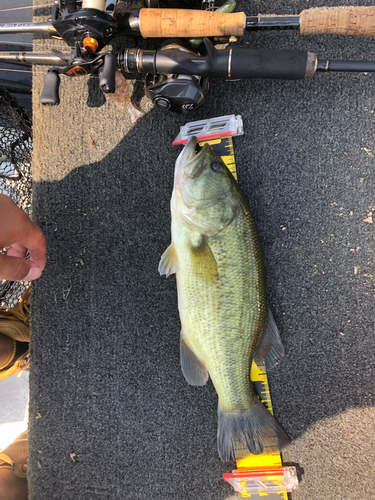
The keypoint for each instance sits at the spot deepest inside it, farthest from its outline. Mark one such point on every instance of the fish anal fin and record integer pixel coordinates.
(193, 368)
(168, 262)
(270, 351)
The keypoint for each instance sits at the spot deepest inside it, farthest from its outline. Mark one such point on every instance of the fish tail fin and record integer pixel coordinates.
(255, 428)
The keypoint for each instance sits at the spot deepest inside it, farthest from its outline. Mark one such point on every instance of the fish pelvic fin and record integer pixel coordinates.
(271, 350)
(193, 368)
(169, 261)
(254, 428)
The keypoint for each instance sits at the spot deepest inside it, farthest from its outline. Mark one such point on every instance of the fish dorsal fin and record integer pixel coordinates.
(202, 259)
(168, 262)
(193, 368)
(270, 351)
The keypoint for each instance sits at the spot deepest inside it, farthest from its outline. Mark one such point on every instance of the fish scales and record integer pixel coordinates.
(219, 316)
(226, 323)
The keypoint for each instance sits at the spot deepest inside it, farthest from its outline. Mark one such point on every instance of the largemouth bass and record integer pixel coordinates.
(226, 323)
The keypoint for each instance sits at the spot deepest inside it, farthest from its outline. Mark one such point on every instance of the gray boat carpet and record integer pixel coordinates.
(111, 416)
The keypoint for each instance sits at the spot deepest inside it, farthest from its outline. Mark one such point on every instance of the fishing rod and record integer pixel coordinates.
(72, 19)
(177, 75)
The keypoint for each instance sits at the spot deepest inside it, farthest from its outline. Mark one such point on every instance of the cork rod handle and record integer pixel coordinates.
(165, 23)
(339, 20)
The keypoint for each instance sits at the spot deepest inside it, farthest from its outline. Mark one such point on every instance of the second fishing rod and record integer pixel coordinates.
(177, 77)
(76, 21)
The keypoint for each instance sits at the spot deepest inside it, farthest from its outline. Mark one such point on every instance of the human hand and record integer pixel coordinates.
(21, 235)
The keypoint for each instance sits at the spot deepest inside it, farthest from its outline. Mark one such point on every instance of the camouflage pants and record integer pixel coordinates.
(15, 324)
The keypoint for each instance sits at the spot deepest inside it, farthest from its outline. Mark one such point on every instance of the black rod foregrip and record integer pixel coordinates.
(238, 62)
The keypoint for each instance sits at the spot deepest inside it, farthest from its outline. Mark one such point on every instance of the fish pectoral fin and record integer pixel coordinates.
(168, 262)
(193, 368)
(270, 351)
(203, 261)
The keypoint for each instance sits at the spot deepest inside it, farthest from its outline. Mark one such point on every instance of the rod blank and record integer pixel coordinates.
(9, 29)
(351, 66)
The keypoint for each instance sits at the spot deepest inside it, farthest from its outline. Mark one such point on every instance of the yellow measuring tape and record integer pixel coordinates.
(224, 148)
(263, 475)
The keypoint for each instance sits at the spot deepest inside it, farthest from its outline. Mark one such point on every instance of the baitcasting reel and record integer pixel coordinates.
(88, 25)
(87, 22)
(178, 93)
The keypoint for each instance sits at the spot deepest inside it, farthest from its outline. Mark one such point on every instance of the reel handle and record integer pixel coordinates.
(50, 93)
(107, 79)
(358, 21)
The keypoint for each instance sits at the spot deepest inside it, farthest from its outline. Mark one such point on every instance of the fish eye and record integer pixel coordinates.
(216, 166)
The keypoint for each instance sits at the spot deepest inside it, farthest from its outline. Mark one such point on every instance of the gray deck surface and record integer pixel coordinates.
(111, 416)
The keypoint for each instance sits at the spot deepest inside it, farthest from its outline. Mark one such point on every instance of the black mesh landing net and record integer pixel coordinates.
(15, 172)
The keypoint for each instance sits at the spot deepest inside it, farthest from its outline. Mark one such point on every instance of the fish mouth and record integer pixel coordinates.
(187, 154)
(189, 163)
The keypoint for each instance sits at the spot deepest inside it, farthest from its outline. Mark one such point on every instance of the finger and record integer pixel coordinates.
(34, 274)
(37, 256)
(17, 250)
(14, 222)
(37, 247)
(33, 242)
(16, 269)
(37, 264)
(17, 228)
